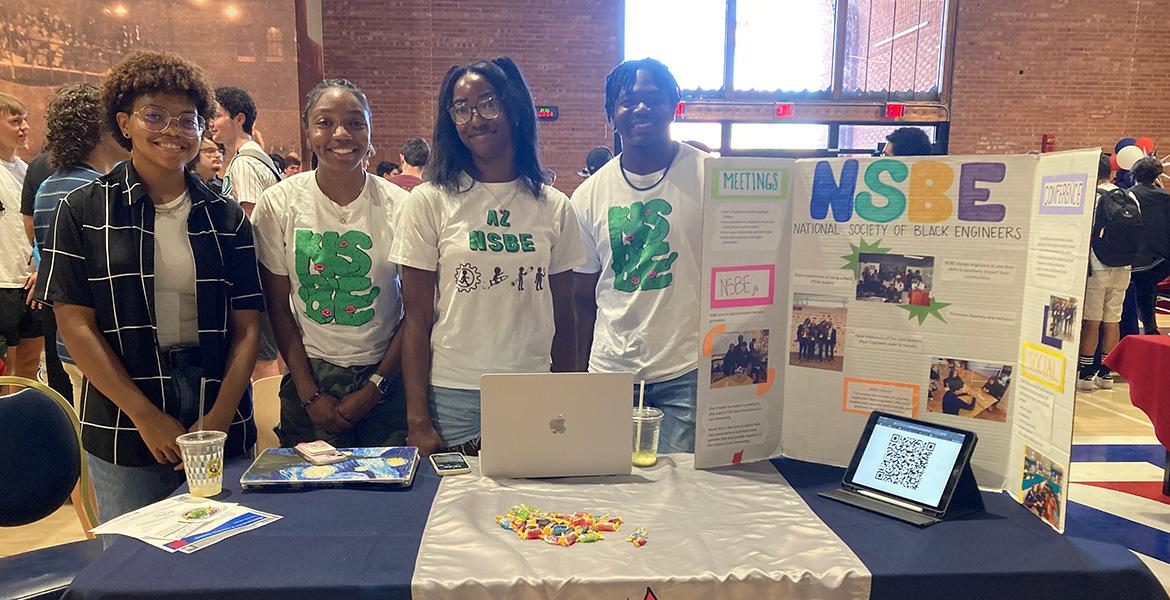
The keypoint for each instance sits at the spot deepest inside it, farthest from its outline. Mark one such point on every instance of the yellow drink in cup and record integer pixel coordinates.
(647, 426)
(203, 461)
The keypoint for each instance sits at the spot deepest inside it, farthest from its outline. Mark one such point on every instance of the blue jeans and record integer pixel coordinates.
(455, 414)
(121, 489)
(676, 399)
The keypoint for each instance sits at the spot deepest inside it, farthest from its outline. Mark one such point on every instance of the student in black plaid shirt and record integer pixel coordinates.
(154, 282)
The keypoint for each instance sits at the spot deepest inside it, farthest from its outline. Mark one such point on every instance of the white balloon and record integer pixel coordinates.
(1129, 155)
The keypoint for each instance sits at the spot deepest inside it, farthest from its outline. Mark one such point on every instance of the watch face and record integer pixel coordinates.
(383, 385)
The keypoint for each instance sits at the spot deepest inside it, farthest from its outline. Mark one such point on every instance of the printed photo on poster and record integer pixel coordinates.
(739, 358)
(895, 278)
(968, 388)
(1061, 319)
(1042, 485)
(817, 338)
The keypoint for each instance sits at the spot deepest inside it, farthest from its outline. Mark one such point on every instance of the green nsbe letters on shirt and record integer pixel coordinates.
(641, 254)
(333, 271)
(493, 241)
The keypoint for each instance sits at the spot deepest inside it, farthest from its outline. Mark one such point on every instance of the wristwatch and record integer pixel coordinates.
(381, 383)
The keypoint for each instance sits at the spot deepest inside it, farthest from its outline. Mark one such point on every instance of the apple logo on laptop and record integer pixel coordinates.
(557, 425)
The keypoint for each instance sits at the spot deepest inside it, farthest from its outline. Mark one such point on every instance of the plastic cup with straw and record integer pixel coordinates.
(202, 453)
(646, 442)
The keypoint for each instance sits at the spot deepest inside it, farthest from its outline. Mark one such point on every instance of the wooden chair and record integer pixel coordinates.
(266, 411)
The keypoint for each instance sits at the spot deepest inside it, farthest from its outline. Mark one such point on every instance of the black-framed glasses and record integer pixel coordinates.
(158, 120)
(488, 108)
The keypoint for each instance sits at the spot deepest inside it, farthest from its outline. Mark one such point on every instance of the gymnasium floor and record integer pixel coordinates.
(1114, 491)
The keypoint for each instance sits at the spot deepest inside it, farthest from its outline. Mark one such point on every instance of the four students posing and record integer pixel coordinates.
(386, 306)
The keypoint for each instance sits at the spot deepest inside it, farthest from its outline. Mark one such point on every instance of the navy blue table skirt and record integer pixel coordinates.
(363, 544)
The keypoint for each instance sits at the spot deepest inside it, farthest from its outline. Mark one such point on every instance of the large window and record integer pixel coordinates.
(783, 136)
(783, 46)
(893, 49)
(687, 35)
(839, 61)
(788, 49)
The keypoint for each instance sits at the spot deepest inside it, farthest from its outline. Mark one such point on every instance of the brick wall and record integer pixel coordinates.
(398, 51)
(1073, 68)
(1022, 69)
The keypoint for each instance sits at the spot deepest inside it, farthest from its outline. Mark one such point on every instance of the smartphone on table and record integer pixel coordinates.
(450, 463)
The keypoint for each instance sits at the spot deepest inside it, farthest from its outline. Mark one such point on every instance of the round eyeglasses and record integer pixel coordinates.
(488, 108)
(158, 120)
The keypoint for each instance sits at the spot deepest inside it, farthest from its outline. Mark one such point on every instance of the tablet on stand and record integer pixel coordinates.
(911, 470)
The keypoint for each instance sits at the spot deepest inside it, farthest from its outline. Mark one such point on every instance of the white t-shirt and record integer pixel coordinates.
(492, 249)
(15, 249)
(176, 312)
(648, 295)
(345, 293)
(247, 177)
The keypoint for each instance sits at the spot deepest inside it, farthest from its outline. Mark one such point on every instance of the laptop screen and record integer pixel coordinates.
(909, 460)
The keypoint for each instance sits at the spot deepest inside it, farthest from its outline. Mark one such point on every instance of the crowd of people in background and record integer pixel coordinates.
(1129, 256)
(38, 37)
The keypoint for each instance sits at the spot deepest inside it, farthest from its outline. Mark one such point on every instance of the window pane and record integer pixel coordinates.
(893, 49)
(867, 137)
(787, 136)
(687, 35)
(708, 134)
(784, 46)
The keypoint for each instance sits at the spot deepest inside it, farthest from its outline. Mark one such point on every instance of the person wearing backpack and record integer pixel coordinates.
(249, 172)
(1117, 231)
(1152, 264)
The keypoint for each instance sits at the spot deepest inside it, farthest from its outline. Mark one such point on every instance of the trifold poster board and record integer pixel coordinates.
(946, 289)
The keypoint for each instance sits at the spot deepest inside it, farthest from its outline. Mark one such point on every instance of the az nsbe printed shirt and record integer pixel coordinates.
(492, 248)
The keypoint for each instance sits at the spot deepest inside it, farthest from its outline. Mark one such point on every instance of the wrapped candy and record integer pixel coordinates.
(563, 530)
(638, 537)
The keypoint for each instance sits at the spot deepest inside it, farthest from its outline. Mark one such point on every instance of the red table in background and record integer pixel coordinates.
(1144, 361)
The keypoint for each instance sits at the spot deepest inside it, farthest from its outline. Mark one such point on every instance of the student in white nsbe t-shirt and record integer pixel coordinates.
(486, 249)
(323, 239)
(637, 295)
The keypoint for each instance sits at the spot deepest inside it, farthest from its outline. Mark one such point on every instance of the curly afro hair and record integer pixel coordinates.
(146, 72)
(74, 126)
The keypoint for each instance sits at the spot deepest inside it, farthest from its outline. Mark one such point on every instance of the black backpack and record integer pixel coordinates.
(1117, 227)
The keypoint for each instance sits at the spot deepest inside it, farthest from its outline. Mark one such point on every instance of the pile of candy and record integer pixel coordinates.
(562, 529)
(638, 537)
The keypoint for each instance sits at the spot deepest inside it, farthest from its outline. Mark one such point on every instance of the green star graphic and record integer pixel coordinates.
(921, 312)
(852, 259)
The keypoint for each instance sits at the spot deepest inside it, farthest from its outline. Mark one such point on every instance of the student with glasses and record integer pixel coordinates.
(208, 165)
(486, 248)
(154, 282)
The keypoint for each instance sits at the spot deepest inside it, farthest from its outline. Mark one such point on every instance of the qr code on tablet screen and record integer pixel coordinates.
(905, 461)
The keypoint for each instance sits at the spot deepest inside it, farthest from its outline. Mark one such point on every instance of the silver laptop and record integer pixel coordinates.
(556, 424)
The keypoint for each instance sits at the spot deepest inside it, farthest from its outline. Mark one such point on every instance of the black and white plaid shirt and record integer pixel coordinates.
(99, 253)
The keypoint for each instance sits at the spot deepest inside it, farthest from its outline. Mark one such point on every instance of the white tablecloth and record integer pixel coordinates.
(732, 532)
